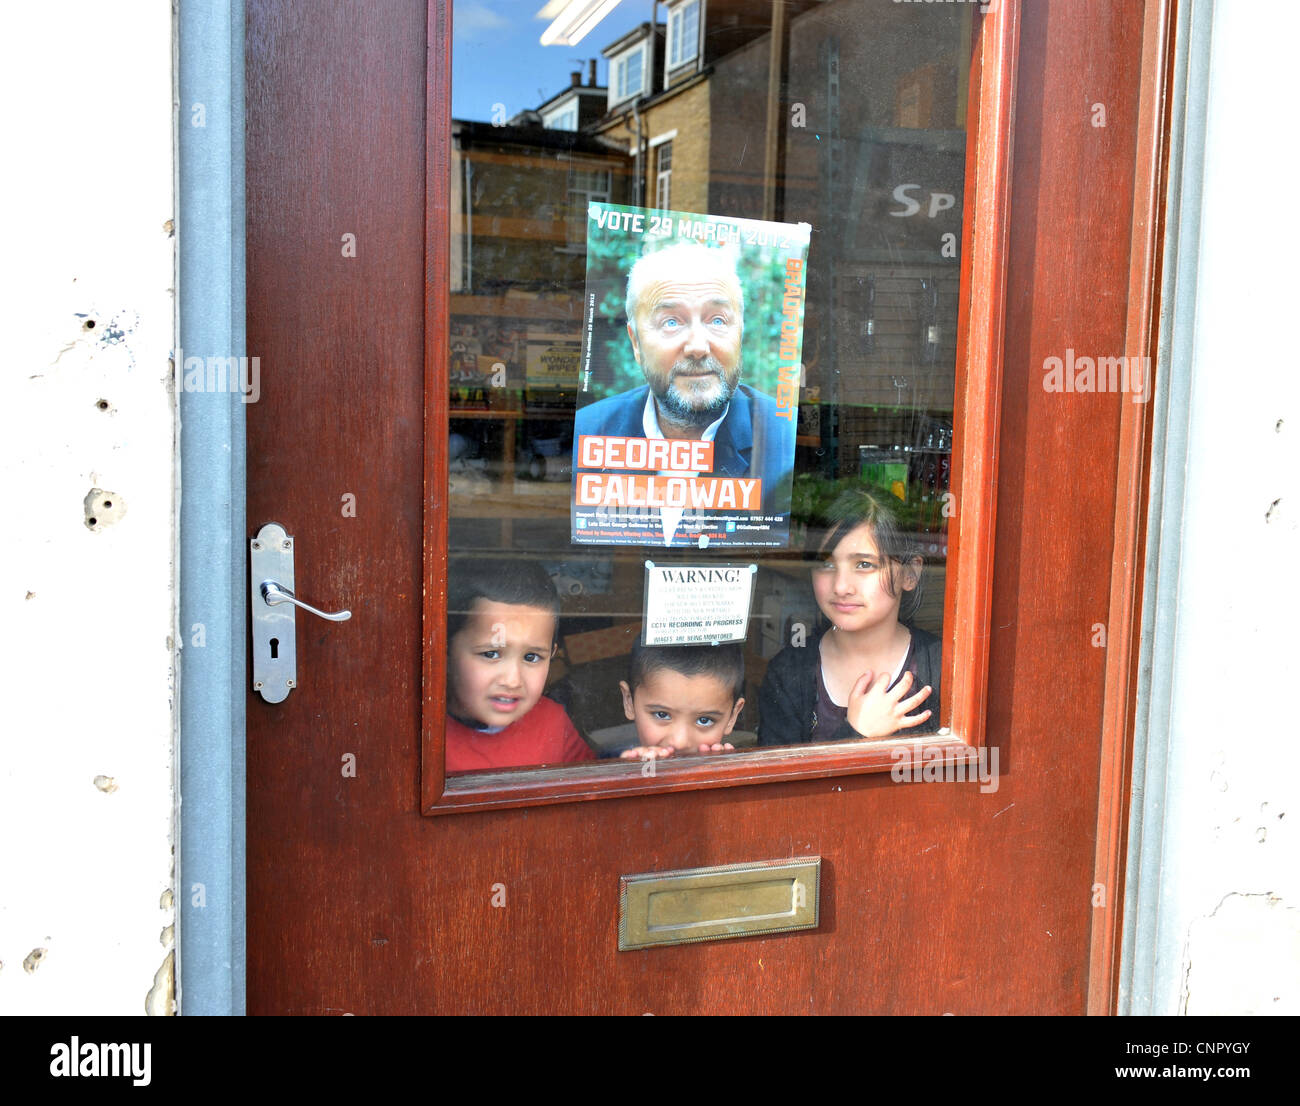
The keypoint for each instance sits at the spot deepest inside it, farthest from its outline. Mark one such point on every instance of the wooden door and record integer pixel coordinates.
(934, 898)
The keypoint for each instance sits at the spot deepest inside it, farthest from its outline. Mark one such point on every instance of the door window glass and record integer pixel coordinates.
(702, 336)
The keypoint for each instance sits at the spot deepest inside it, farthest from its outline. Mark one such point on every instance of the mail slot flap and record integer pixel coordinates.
(730, 900)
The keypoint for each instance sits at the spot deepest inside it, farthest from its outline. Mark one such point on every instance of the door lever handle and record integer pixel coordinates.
(273, 622)
(274, 594)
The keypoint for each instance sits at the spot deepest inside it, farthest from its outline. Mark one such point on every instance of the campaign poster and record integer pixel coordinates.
(689, 374)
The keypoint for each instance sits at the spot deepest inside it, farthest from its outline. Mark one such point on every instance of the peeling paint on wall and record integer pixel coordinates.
(161, 999)
(118, 327)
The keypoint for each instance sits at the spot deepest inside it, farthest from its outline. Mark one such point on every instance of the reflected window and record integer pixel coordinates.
(586, 186)
(664, 175)
(683, 33)
(627, 69)
(564, 119)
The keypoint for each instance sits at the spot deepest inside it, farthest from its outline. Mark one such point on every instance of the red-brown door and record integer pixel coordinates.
(934, 897)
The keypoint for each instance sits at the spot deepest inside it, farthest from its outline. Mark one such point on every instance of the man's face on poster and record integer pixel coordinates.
(686, 338)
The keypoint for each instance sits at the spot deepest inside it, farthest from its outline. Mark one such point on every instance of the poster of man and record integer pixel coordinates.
(689, 378)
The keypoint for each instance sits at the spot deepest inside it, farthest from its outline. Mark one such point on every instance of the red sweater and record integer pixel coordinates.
(542, 736)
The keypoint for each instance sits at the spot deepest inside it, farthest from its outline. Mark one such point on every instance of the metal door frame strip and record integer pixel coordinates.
(211, 683)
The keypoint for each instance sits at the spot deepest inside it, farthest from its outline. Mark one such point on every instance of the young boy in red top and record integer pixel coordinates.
(501, 623)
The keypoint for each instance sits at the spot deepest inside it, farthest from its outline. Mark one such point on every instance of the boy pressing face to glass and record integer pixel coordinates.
(683, 698)
(500, 639)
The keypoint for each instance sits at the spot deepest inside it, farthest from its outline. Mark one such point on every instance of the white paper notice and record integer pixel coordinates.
(697, 604)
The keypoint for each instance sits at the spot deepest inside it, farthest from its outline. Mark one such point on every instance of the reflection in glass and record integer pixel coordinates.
(845, 114)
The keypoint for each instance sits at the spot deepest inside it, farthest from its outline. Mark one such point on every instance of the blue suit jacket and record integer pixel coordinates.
(736, 452)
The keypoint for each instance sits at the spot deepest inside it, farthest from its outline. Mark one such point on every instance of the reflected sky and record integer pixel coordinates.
(497, 57)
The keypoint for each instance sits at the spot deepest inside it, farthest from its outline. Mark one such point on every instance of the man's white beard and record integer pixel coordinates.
(686, 409)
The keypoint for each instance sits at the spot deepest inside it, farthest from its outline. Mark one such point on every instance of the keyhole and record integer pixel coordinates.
(275, 648)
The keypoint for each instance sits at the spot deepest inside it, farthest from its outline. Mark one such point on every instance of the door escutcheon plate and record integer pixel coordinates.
(275, 652)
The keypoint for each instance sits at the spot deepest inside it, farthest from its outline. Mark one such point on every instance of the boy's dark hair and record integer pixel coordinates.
(860, 507)
(519, 583)
(724, 662)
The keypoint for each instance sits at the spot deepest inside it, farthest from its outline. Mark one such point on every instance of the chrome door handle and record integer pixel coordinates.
(270, 592)
(274, 594)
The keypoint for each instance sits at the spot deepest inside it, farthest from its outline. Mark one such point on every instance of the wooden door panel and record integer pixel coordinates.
(935, 898)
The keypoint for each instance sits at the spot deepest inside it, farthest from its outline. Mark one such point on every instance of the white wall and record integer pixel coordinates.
(1229, 913)
(86, 866)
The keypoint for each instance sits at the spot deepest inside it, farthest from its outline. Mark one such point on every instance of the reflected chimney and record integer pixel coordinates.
(591, 73)
(575, 78)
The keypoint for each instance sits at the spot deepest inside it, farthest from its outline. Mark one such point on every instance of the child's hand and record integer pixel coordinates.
(651, 752)
(875, 712)
(646, 752)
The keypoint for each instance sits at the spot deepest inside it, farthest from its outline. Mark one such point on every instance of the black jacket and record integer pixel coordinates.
(788, 698)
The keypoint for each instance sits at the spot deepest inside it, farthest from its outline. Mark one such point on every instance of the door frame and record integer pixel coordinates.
(1145, 958)
(211, 572)
(990, 121)
(1124, 652)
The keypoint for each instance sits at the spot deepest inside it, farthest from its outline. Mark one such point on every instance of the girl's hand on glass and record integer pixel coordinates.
(874, 711)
